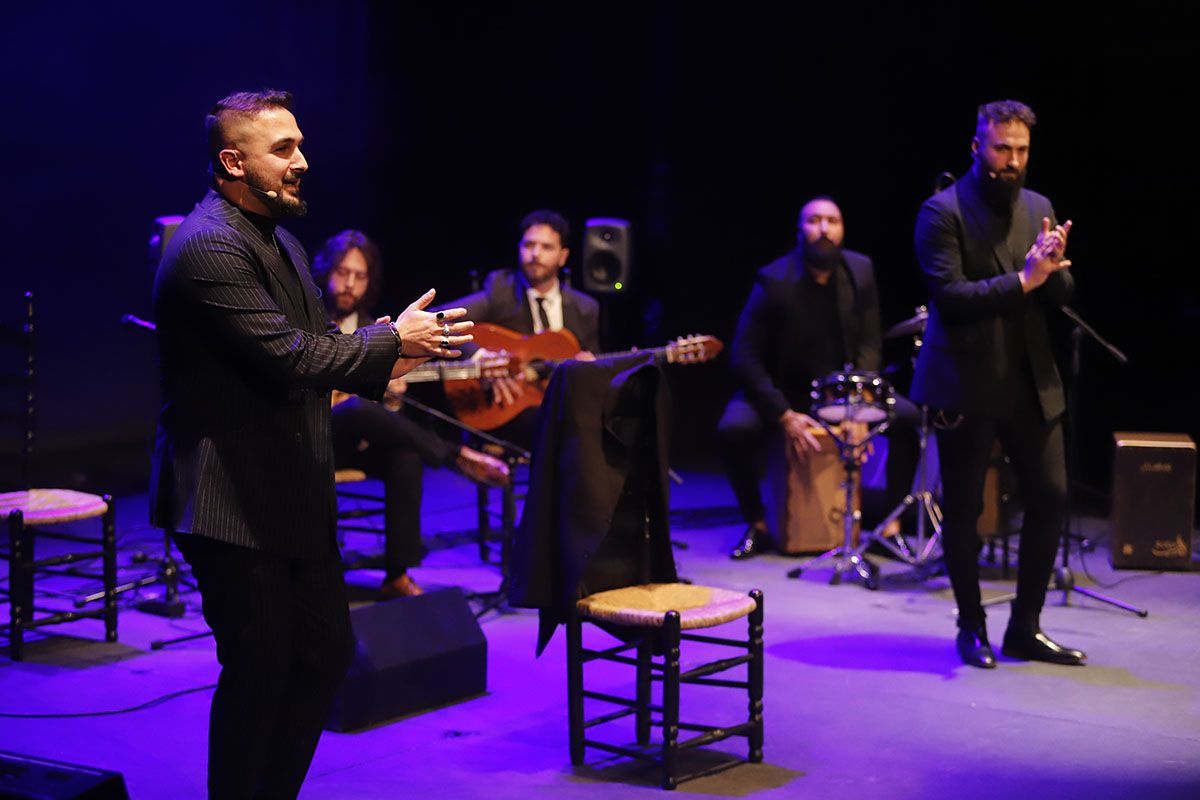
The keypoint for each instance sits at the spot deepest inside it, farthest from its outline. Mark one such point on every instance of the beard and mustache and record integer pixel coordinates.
(283, 204)
(822, 255)
(999, 189)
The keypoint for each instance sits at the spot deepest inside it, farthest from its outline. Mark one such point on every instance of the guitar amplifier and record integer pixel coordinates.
(1154, 491)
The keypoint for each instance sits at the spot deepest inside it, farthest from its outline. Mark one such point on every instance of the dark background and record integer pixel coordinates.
(435, 130)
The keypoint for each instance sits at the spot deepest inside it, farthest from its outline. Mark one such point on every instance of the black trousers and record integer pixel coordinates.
(282, 627)
(1035, 448)
(742, 440)
(393, 448)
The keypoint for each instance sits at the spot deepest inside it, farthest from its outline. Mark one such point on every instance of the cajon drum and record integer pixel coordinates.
(805, 500)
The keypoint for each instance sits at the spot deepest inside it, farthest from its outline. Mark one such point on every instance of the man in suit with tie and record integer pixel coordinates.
(243, 467)
(993, 261)
(532, 299)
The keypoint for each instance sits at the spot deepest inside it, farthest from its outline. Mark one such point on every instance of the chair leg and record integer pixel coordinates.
(643, 690)
(481, 495)
(575, 687)
(755, 678)
(19, 600)
(109, 544)
(670, 704)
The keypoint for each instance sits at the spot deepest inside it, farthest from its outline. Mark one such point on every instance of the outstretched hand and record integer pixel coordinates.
(427, 334)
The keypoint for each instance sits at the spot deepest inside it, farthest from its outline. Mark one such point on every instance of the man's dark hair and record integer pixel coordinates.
(1001, 111)
(809, 201)
(237, 105)
(331, 255)
(545, 216)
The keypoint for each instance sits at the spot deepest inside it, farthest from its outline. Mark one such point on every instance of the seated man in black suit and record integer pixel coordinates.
(530, 300)
(377, 437)
(810, 313)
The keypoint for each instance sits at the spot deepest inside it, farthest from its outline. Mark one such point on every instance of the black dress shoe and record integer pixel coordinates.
(754, 542)
(1037, 646)
(973, 648)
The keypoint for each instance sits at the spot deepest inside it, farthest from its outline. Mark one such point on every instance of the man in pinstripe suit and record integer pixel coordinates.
(243, 469)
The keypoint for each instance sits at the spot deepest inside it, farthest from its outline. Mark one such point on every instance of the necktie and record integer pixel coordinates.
(542, 318)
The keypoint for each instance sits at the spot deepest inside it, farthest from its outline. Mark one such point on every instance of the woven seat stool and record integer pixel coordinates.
(659, 614)
(354, 506)
(31, 511)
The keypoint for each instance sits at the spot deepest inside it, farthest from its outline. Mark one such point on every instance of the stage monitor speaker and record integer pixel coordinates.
(160, 237)
(1154, 491)
(30, 777)
(607, 253)
(413, 653)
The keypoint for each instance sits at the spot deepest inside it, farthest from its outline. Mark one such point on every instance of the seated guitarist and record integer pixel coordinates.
(376, 437)
(532, 300)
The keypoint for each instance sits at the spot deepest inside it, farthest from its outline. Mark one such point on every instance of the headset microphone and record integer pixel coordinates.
(270, 194)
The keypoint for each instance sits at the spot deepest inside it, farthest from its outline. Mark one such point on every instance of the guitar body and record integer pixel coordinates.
(472, 399)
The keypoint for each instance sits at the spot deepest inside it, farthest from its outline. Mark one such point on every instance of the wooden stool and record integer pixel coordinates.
(362, 504)
(658, 614)
(28, 513)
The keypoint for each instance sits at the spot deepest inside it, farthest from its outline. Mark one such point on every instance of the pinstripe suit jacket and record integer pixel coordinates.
(247, 359)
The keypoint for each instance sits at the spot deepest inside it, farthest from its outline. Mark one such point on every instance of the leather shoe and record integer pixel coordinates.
(973, 648)
(404, 586)
(1037, 646)
(755, 541)
(482, 468)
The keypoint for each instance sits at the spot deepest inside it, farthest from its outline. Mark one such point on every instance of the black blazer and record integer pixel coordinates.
(503, 301)
(970, 263)
(602, 426)
(766, 360)
(247, 359)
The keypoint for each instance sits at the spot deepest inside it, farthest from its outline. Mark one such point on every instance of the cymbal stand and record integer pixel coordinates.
(927, 547)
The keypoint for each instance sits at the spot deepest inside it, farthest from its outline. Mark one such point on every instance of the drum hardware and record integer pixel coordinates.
(925, 554)
(849, 396)
(913, 326)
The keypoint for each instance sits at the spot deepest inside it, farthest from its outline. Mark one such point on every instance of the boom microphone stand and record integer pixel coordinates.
(1064, 579)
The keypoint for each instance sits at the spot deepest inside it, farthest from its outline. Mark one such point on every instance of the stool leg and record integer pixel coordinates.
(670, 751)
(643, 691)
(755, 677)
(481, 495)
(109, 546)
(575, 687)
(18, 607)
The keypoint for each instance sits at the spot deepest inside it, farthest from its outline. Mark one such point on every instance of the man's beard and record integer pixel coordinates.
(1001, 190)
(821, 255)
(282, 204)
(346, 304)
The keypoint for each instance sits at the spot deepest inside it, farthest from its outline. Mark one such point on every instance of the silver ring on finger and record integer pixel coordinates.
(445, 343)
(445, 329)
(441, 316)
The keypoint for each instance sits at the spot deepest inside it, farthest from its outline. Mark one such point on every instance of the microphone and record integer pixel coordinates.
(271, 194)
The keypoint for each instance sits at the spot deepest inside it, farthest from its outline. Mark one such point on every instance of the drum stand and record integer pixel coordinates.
(846, 557)
(924, 556)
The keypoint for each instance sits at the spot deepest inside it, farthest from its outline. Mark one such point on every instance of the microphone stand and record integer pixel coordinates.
(1064, 580)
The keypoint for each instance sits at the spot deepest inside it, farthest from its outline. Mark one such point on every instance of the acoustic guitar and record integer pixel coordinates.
(532, 358)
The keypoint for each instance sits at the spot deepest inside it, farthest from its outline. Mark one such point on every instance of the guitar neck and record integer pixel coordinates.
(444, 371)
(623, 353)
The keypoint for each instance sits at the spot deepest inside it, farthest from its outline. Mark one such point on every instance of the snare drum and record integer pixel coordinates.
(855, 396)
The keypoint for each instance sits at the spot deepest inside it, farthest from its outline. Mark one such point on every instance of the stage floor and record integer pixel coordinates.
(864, 693)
